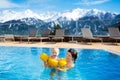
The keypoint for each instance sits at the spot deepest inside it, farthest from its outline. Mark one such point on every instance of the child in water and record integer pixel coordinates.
(54, 55)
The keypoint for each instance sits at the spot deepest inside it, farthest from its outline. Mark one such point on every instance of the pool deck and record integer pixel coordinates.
(106, 46)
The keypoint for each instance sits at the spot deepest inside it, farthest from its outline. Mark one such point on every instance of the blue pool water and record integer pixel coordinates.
(23, 63)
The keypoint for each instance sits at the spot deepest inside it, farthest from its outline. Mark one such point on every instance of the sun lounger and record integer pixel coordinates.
(45, 34)
(59, 34)
(2, 38)
(87, 34)
(9, 37)
(32, 34)
(114, 33)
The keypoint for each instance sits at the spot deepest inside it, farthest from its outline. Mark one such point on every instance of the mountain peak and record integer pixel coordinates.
(74, 14)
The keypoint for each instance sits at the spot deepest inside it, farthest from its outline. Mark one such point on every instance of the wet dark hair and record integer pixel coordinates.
(74, 54)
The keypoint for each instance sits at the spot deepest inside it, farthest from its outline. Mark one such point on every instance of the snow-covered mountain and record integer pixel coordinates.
(74, 14)
(95, 19)
(7, 15)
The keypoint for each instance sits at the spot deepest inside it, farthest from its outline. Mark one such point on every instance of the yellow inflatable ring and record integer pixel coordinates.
(52, 62)
(44, 57)
(62, 62)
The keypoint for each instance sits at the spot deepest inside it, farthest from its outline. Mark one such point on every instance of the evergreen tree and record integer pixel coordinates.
(52, 32)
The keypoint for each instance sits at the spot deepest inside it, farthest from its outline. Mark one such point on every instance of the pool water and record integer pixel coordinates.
(23, 63)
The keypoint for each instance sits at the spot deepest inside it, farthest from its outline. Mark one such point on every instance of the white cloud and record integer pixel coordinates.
(7, 4)
(90, 2)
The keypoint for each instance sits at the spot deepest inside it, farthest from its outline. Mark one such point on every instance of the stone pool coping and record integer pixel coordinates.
(106, 46)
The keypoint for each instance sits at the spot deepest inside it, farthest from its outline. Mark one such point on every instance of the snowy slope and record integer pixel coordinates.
(74, 14)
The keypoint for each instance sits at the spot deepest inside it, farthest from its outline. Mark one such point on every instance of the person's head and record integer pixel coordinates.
(72, 55)
(55, 51)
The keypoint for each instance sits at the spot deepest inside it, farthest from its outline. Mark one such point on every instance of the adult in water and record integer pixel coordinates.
(70, 60)
(71, 57)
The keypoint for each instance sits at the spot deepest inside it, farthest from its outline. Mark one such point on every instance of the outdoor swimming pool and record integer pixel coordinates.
(23, 63)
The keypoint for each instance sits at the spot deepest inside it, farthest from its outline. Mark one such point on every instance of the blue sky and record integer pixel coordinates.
(60, 5)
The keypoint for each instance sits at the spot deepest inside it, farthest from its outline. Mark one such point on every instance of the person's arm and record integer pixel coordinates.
(45, 64)
(65, 68)
(62, 69)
